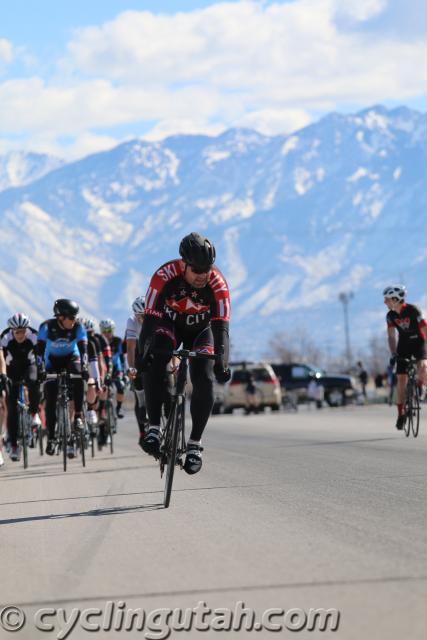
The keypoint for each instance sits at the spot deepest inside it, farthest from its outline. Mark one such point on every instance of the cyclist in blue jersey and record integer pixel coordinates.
(62, 344)
(107, 328)
(3, 387)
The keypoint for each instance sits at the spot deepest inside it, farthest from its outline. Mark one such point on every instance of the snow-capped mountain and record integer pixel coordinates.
(337, 206)
(18, 168)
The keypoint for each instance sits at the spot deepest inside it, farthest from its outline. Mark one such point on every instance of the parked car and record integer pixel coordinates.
(233, 395)
(339, 388)
(219, 394)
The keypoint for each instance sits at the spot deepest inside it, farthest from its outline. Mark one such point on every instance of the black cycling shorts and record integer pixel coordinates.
(418, 350)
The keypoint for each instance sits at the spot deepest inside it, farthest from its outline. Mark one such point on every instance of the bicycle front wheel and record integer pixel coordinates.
(110, 423)
(82, 443)
(23, 431)
(63, 431)
(415, 425)
(92, 440)
(170, 449)
(40, 439)
(409, 409)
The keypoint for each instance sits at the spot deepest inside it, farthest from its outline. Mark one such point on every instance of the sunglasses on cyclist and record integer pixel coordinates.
(200, 272)
(74, 318)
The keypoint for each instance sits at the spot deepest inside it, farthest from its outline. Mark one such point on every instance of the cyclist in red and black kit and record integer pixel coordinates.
(187, 302)
(411, 327)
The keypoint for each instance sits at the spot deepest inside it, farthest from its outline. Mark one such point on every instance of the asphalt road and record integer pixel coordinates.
(295, 512)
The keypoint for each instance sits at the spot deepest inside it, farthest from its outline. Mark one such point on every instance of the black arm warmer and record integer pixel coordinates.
(82, 345)
(221, 340)
(40, 349)
(147, 331)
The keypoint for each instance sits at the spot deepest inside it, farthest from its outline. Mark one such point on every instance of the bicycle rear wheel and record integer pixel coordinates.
(170, 449)
(415, 425)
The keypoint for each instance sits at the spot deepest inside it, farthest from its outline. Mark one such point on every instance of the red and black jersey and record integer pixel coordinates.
(93, 347)
(105, 350)
(169, 296)
(408, 323)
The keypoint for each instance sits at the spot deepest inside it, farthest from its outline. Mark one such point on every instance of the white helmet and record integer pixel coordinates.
(138, 305)
(18, 321)
(88, 324)
(107, 325)
(397, 291)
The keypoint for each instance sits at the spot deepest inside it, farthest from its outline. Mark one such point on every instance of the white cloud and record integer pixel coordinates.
(267, 58)
(275, 121)
(6, 51)
(6, 54)
(361, 10)
(272, 67)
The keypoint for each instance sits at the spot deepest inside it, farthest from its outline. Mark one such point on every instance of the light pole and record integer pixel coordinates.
(345, 299)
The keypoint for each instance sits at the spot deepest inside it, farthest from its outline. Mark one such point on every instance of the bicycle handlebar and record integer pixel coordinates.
(54, 376)
(185, 353)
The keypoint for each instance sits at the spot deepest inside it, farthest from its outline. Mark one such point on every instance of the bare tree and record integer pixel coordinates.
(377, 354)
(296, 346)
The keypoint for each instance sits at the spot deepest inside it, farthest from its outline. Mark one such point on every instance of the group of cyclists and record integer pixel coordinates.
(62, 342)
(188, 303)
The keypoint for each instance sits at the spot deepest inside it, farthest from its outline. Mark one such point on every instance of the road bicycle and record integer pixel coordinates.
(110, 422)
(24, 421)
(92, 430)
(65, 435)
(38, 436)
(172, 435)
(412, 398)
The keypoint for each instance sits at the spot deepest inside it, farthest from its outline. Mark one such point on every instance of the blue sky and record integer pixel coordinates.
(77, 77)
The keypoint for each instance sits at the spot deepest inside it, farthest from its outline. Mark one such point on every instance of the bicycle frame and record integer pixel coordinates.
(172, 439)
(111, 420)
(178, 402)
(63, 424)
(23, 421)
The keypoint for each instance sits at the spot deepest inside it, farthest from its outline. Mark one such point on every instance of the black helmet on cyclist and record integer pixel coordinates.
(197, 251)
(66, 307)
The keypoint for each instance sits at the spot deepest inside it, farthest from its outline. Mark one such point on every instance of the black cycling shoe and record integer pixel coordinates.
(141, 439)
(193, 459)
(151, 442)
(400, 423)
(70, 450)
(50, 447)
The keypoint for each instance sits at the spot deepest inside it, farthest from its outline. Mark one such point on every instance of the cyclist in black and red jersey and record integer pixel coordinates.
(18, 343)
(187, 301)
(408, 321)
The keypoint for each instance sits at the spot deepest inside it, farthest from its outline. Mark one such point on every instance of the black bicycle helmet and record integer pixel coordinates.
(197, 251)
(65, 307)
